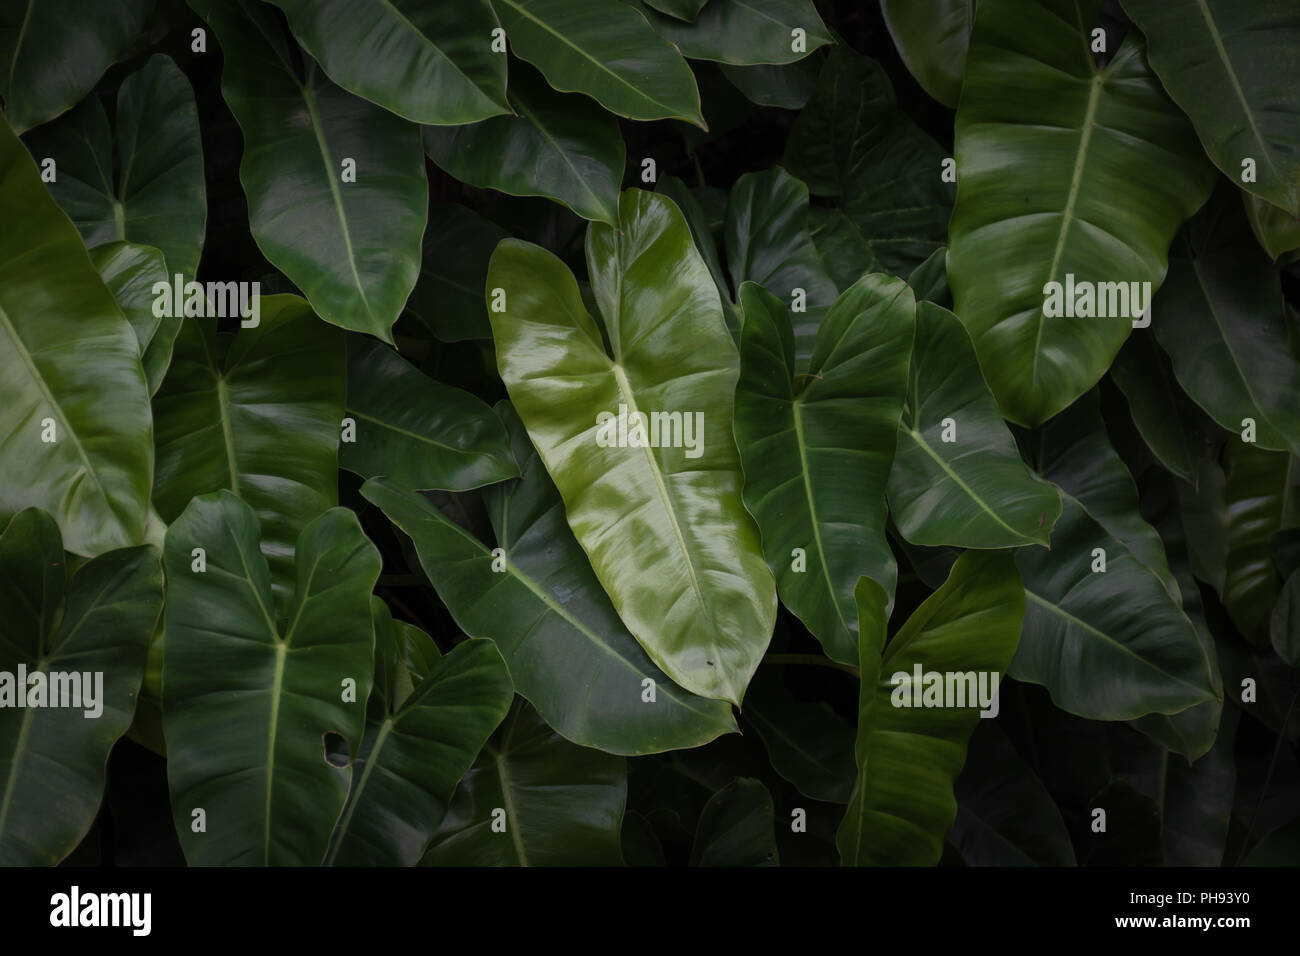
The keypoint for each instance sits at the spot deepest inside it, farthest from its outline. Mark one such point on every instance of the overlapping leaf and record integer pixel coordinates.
(931, 36)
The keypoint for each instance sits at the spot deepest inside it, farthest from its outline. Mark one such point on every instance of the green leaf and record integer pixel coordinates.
(808, 743)
(768, 242)
(1164, 416)
(560, 804)
(262, 421)
(69, 369)
(353, 248)
(686, 10)
(1220, 317)
(908, 756)
(1197, 801)
(932, 36)
(737, 827)
(1064, 169)
(130, 272)
(562, 147)
(1005, 816)
(1263, 497)
(274, 683)
(853, 143)
(158, 198)
(53, 757)
(1232, 68)
(957, 478)
(817, 449)
(667, 534)
(606, 49)
(416, 751)
(701, 232)
(416, 431)
(746, 32)
(429, 63)
(1276, 229)
(51, 55)
(788, 87)
(929, 280)
(1284, 623)
(1082, 639)
(448, 298)
(567, 651)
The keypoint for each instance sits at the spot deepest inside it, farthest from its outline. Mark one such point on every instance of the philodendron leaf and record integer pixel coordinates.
(537, 597)
(87, 638)
(606, 49)
(699, 221)
(51, 55)
(737, 827)
(957, 477)
(1220, 317)
(336, 189)
(430, 63)
(263, 421)
(787, 87)
(534, 799)
(768, 242)
(280, 686)
(913, 730)
(853, 143)
(639, 441)
(416, 431)
(1232, 67)
(1284, 623)
(808, 743)
(1064, 170)
(931, 36)
(158, 198)
(817, 449)
(1276, 229)
(416, 749)
(562, 147)
(686, 10)
(1005, 816)
(747, 32)
(74, 404)
(1263, 498)
(448, 298)
(1082, 639)
(130, 272)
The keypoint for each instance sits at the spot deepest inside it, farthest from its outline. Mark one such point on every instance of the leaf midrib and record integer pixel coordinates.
(1213, 29)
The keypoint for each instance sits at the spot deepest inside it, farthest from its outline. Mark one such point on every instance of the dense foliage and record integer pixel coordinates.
(650, 431)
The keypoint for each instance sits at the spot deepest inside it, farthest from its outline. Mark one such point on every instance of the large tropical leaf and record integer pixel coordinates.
(262, 421)
(51, 55)
(736, 827)
(353, 248)
(553, 803)
(931, 36)
(431, 63)
(89, 637)
(606, 49)
(1263, 498)
(417, 431)
(1083, 642)
(817, 449)
(957, 477)
(746, 32)
(275, 684)
(130, 271)
(668, 534)
(448, 298)
(418, 744)
(853, 143)
(908, 756)
(69, 369)
(807, 742)
(1064, 169)
(768, 242)
(567, 651)
(563, 147)
(1276, 229)
(1232, 67)
(1220, 316)
(158, 198)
